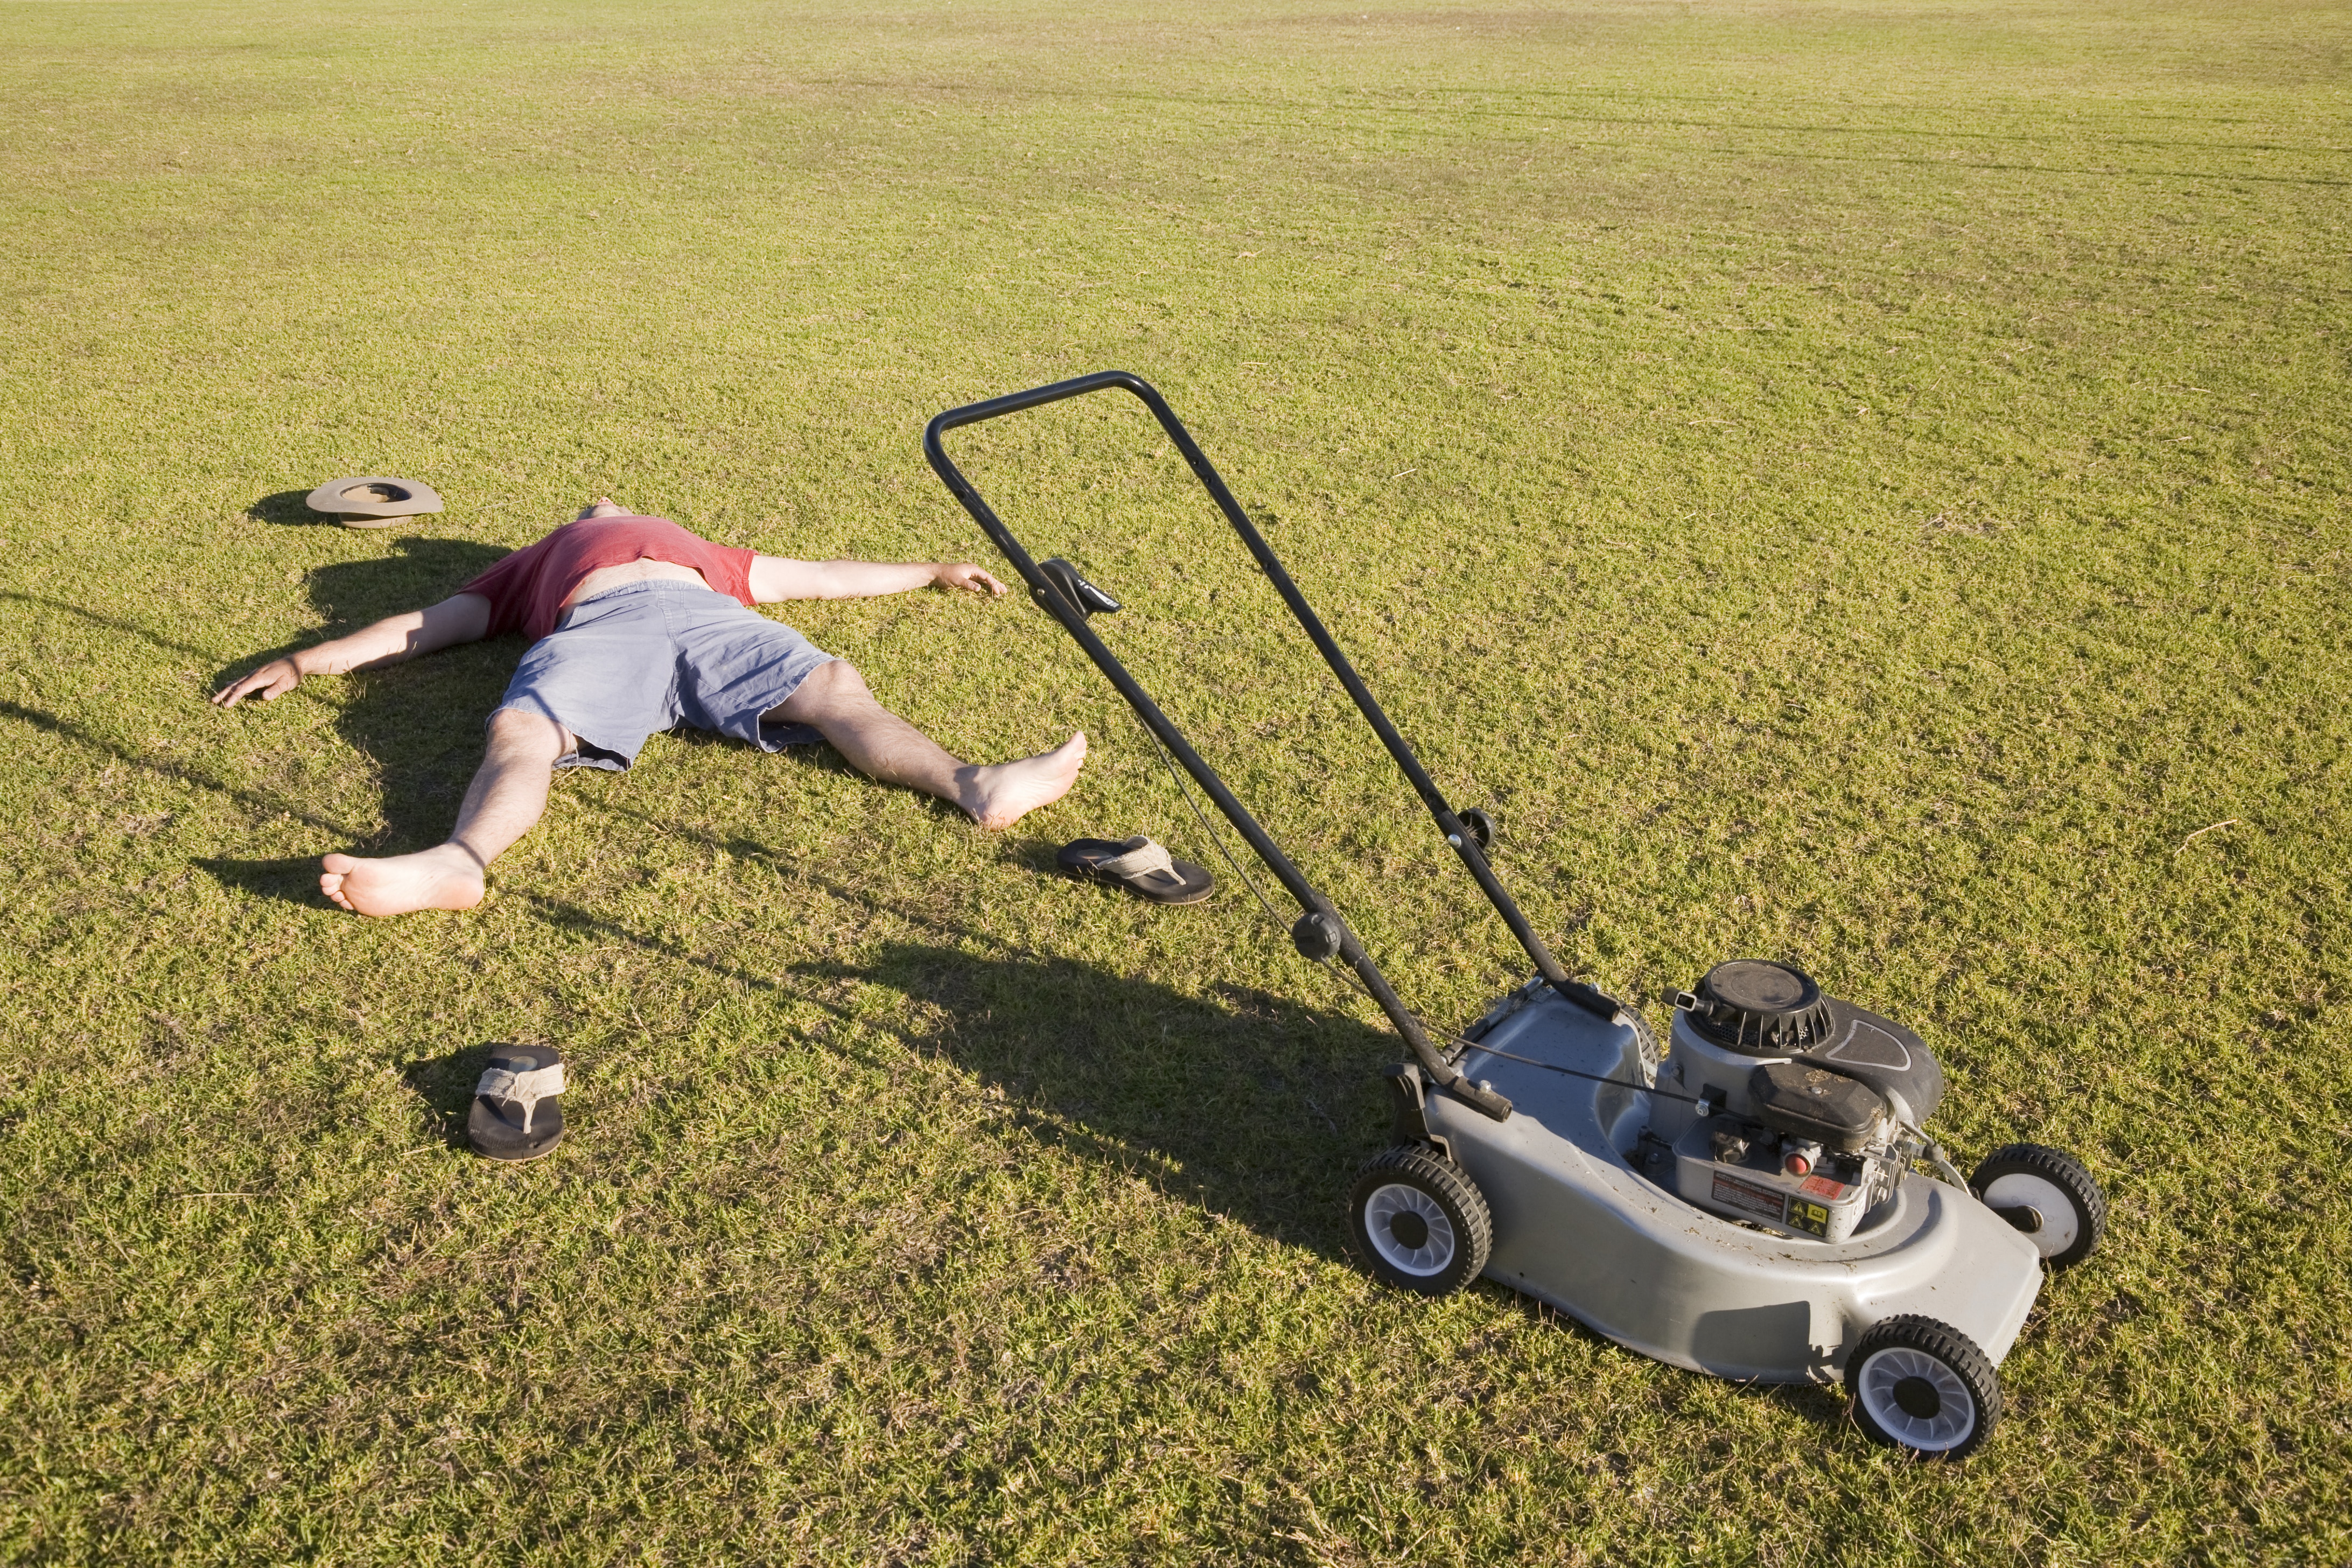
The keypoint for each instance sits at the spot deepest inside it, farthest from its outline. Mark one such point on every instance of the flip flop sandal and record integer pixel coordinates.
(514, 1116)
(1140, 864)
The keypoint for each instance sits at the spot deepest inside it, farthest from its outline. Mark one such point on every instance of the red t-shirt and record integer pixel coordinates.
(528, 589)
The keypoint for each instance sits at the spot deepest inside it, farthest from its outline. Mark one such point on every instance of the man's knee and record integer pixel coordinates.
(519, 732)
(830, 685)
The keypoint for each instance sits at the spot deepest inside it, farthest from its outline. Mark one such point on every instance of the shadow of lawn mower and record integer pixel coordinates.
(1746, 1206)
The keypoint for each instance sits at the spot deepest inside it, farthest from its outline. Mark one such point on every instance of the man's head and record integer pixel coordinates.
(603, 506)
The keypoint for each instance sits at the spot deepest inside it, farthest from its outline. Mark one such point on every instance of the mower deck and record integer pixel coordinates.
(1577, 1227)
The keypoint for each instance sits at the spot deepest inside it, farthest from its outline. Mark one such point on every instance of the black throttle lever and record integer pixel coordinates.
(1076, 591)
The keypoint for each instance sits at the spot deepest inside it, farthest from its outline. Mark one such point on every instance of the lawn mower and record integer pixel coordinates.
(1744, 1204)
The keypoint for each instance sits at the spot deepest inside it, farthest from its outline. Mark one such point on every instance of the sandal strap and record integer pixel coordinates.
(1144, 857)
(525, 1088)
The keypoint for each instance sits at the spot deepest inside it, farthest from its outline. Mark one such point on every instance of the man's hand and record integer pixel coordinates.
(963, 574)
(273, 680)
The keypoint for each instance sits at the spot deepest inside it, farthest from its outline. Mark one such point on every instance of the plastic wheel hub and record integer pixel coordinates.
(1410, 1230)
(2056, 1225)
(1917, 1399)
(2050, 1196)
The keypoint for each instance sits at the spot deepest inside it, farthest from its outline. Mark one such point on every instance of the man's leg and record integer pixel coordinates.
(507, 796)
(882, 745)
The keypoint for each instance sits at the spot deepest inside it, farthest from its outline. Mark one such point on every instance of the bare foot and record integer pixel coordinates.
(442, 878)
(1003, 793)
(603, 506)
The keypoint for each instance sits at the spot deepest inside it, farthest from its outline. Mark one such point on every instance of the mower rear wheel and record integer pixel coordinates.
(1924, 1388)
(2049, 1196)
(1420, 1221)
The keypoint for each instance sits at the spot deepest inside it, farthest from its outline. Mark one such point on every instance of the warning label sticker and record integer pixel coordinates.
(1822, 1188)
(1810, 1217)
(1733, 1193)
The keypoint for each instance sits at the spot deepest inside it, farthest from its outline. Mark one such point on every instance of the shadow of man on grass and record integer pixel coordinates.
(1249, 1104)
(419, 724)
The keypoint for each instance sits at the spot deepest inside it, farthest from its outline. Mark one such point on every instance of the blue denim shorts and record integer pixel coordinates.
(631, 663)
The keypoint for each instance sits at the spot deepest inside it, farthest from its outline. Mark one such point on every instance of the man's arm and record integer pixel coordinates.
(462, 618)
(773, 578)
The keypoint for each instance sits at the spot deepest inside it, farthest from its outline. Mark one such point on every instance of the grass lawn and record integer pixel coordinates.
(1858, 483)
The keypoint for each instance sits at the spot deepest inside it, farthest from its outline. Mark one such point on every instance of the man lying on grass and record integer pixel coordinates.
(636, 625)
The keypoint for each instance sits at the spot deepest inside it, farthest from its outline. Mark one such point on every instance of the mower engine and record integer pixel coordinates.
(1804, 1104)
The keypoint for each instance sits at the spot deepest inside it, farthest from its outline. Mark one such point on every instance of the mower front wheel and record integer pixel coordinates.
(1420, 1221)
(1924, 1388)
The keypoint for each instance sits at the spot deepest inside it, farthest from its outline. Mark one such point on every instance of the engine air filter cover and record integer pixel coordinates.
(1761, 1008)
(1839, 1113)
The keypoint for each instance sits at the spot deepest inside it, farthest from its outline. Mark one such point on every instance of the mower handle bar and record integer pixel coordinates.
(1049, 595)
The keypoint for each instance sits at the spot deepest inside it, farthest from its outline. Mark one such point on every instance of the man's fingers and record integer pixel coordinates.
(963, 574)
(264, 683)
